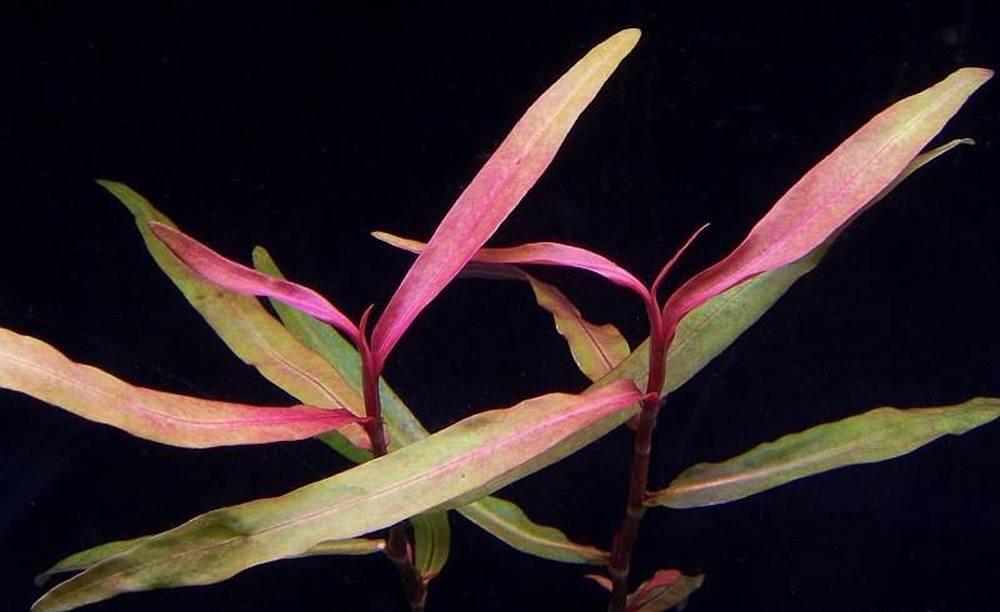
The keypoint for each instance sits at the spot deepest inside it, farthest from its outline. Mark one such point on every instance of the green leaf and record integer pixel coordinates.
(457, 465)
(33, 367)
(509, 523)
(877, 435)
(92, 556)
(431, 543)
(500, 518)
(256, 337)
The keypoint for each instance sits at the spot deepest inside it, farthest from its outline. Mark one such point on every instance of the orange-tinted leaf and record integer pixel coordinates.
(30, 366)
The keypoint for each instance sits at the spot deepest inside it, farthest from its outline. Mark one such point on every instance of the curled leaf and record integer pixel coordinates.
(431, 543)
(238, 278)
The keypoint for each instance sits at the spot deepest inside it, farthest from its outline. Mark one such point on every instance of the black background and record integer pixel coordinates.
(305, 128)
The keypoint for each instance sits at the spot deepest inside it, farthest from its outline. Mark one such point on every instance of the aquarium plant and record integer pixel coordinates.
(396, 499)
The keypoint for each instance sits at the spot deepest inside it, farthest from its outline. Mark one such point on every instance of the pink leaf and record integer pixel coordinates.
(539, 253)
(498, 187)
(833, 191)
(33, 367)
(238, 278)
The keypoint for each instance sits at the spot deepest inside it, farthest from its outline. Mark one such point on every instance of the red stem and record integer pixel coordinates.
(624, 541)
(397, 545)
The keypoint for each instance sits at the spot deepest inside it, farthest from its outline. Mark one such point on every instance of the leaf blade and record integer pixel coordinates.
(465, 461)
(834, 191)
(235, 277)
(876, 435)
(499, 186)
(243, 324)
(431, 543)
(35, 368)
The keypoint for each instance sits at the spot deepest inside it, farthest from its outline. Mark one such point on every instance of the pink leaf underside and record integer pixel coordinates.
(35, 368)
(498, 187)
(539, 253)
(662, 579)
(235, 277)
(834, 190)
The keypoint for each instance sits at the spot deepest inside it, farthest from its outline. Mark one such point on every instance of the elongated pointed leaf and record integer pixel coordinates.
(431, 543)
(454, 466)
(243, 324)
(710, 328)
(33, 367)
(499, 186)
(539, 253)
(238, 278)
(92, 556)
(500, 518)
(877, 435)
(404, 428)
(665, 590)
(509, 523)
(834, 191)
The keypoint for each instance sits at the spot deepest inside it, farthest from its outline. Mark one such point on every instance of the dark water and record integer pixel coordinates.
(304, 129)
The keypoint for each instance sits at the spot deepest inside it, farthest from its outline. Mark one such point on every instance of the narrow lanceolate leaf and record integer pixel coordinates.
(500, 518)
(92, 556)
(403, 426)
(710, 328)
(499, 186)
(877, 435)
(238, 278)
(33, 367)
(431, 543)
(596, 349)
(452, 467)
(665, 590)
(509, 523)
(539, 253)
(244, 325)
(834, 191)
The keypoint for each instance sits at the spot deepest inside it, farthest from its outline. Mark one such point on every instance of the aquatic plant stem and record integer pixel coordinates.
(635, 509)
(397, 545)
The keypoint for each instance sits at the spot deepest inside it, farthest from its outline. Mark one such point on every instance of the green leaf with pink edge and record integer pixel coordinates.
(499, 186)
(37, 369)
(92, 556)
(834, 191)
(877, 435)
(501, 518)
(457, 465)
(243, 324)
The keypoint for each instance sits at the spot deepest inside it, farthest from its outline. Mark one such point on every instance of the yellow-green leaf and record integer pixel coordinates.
(431, 543)
(877, 435)
(457, 465)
